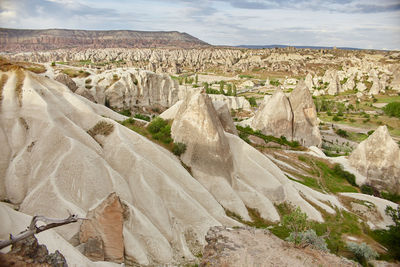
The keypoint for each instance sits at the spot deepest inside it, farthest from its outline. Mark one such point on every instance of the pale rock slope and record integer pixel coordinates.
(63, 154)
(12, 221)
(236, 174)
(294, 117)
(378, 159)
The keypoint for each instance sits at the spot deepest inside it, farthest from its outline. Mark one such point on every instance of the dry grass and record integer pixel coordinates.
(76, 73)
(101, 128)
(3, 81)
(6, 65)
(18, 86)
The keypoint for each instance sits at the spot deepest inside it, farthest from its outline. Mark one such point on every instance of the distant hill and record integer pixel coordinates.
(296, 46)
(16, 40)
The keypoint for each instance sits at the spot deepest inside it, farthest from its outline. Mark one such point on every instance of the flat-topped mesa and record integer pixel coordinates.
(378, 159)
(15, 40)
(294, 117)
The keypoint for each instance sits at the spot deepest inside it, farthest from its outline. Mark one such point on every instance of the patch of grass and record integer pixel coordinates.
(125, 112)
(20, 82)
(308, 181)
(75, 73)
(142, 117)
(101, 128)
(3, 81)
(333, 180)
(267, 138)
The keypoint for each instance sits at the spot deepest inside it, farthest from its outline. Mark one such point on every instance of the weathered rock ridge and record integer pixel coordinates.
(16, 40)
(294, 117)
(378, 159)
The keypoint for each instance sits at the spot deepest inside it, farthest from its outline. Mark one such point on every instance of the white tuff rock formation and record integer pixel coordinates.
(378, 159)
(294, 117)
(236, 174)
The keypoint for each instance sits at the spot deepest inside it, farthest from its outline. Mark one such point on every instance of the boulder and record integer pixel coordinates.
(305, 120)
(66, 80)
(103, 230)
(378, 159)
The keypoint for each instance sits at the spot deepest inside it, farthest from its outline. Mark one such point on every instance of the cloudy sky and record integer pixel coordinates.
(351, 23)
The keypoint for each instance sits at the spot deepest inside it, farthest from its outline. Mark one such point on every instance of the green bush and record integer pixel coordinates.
(125, 112)
(53, 64)
(160, 130)
(339, 171)
(336, 118)
(252, 101)
(367, 189)
(296, 222)
(342, 133)
(309, 238)
(394, 232)
(362, 252)
(392, 109)
(179, 148)
(142, 117)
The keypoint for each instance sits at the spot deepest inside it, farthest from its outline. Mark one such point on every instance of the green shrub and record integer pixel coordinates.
(370, 132)
(336, 118)
(142, 117)
(252, 101)
(309, 238)
(362, 252)
(244, 136)
(296, 222)
(179, 148)
(392, 109)
(367, 189)
(351, 178)
(125, 112)
(53, 64)
(342, 133)
(160, 130)
(394, 232)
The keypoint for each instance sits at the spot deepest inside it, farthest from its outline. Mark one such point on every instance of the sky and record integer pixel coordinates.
(369, 24)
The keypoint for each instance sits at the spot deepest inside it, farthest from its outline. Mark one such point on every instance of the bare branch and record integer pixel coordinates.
(34, 229)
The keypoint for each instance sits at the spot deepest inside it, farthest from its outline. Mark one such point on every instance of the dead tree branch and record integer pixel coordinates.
(34, 229)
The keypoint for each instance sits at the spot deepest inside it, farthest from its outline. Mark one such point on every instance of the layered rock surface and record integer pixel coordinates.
(33, 40)
(236, 174)
(256, 247)
(378, 159)
(62, 149)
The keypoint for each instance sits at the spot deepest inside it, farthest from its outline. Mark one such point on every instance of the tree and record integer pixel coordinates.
(234, 90)
(296, 222)
(196, 79)
(229, 90)
(221, 87)
(394, 232)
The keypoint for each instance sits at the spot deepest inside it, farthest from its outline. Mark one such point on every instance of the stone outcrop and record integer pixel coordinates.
(224, 116)
(305, 120)
(66, 80)
(235, 173)
(233, 102)
(16, 40)
(274, 116)
(49, 165)
(257, 247)
(102, 232)
(294, 117)
(131, 89)
(378, 159)
(28, 252)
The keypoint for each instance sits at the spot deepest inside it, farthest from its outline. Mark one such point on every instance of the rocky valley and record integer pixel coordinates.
(172, 152)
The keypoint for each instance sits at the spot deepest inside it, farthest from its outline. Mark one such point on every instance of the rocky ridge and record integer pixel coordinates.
(378, 159)
(16, 40)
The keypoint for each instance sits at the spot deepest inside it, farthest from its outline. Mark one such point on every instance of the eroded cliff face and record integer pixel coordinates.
(16, 40)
